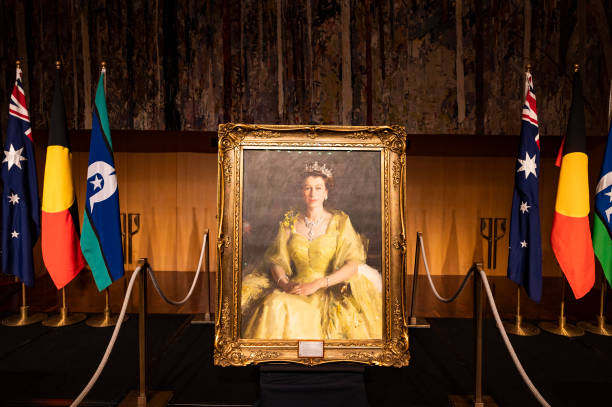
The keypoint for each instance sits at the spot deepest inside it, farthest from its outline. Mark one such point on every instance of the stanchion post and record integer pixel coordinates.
(476, 400)
(143, 397)
(204, 318)
(207, 263)
(142, 335)
(413, 321)
(478, 311)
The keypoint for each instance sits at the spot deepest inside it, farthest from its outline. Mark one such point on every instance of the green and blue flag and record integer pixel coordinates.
(602, 228)
(101, 232)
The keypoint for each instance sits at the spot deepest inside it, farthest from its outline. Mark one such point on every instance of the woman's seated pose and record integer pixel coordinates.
(313, 282)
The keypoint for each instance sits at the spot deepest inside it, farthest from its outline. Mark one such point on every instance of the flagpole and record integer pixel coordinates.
(600, 327)
(64, 318)
(518, 327)
(23, 319)
(107, 318)
(561, 328)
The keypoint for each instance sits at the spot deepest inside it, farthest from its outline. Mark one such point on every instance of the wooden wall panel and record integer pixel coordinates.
(175, 195)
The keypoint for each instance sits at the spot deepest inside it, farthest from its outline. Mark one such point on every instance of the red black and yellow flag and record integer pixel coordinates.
(60, 216)
(571, 234)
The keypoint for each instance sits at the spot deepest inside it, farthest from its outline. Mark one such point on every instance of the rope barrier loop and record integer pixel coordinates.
(431, 283)
(193, 284)
(117, 328)
(498, 322)
(111, 343)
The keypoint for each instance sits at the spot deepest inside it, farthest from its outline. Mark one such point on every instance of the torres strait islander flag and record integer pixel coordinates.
(20, 202)
(101, 235)
(525, 254)
(571, 235)
(60, 217)
(602, 225)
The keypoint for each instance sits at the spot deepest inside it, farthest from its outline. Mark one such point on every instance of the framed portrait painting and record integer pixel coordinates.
(311, 245)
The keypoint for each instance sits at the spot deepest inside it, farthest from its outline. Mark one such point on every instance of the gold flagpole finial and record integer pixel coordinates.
(103, 66)
(576, 67)
(58, 65)
(528, 67)
(18, 63)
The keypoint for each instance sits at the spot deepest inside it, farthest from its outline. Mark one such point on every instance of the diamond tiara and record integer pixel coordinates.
(318, 167)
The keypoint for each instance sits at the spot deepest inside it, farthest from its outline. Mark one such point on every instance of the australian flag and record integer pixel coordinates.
(525, 254)
(20, 202)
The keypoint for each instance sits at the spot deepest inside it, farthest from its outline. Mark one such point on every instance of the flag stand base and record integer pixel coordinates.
(416, 322)
(63, 319)
(464, 400)
(104, 320)
(152, 399)
(23, 319)
(202, 319)
(520, 328)
(598, 328)
(562, 328)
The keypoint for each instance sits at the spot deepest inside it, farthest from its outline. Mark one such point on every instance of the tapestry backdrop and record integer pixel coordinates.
(194, 64)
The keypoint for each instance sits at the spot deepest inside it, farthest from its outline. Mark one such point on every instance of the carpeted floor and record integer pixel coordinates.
(50, 366)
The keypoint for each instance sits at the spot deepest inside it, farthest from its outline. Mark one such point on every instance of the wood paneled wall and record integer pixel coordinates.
(175, 195)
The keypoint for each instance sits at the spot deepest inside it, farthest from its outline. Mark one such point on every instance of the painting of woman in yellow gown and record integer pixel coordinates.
(313, 282)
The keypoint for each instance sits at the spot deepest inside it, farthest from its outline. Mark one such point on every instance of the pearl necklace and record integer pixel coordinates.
(311, 224)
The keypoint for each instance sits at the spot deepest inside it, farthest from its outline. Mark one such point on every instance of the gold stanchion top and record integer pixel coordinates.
(58, 64)
(528, 67)
(576, 67)
(18, 64)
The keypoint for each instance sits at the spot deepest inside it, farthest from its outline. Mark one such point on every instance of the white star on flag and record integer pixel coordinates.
(609, 194)
(524, 207)
(97, 182)
(528, 165)
(14, 234)
(13, 198)
(523, 243)
(13, 157)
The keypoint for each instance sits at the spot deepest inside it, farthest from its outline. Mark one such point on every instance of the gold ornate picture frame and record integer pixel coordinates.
(263, 172)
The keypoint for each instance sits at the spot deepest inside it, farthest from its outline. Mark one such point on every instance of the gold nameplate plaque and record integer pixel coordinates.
(311, 245)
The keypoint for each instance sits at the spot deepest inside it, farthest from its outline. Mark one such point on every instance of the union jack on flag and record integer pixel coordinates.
(525, 254)
(20, 203)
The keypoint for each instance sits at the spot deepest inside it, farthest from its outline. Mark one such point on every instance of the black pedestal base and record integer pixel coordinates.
(322, 386)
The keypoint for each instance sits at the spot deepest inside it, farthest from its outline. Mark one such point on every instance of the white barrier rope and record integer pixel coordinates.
(504, 335)
(128, 293)
(498, 322)
(433, 287)
(111, 344)
(195, 279)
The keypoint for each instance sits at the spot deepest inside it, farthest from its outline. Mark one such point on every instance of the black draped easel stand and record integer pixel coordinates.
(296, 386)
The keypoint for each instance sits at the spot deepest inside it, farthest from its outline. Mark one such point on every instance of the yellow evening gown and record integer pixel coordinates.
(352, 310)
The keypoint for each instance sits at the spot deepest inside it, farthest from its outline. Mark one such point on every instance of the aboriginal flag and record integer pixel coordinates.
(571, 235)
(60, 217)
